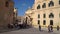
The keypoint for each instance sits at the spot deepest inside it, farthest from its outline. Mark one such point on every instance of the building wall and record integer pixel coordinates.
(15, 15)
(47, 12)
(21, 19)
(53, 9)
(6, 13)
(37, 2)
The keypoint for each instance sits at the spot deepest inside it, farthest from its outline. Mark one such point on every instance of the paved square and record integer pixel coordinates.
(32, 31)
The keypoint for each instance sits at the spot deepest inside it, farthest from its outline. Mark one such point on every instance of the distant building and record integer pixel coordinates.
(15, 15)
(44, 13)
(20, 19)
(6, 12)
(28, 17)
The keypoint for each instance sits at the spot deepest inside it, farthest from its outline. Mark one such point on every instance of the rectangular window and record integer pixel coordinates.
(59, 15)
(38, 15)
(51, 22)
(44, 22)
(7, 4)
(44, 15)
(38, 21)
(59, 2)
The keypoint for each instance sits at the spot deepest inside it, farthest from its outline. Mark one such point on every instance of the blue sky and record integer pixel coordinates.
(22, 5)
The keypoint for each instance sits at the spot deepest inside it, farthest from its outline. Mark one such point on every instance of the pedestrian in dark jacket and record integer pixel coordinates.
(39, 27)
(57, 28)
(51, 29)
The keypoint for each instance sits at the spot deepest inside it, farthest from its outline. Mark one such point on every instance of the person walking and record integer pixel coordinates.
(57, 28)
(39, 27)
(49, 28)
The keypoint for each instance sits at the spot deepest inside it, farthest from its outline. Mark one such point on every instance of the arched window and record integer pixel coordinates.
(44, 5)
(51, 15)
(38, 7)
(51, 4)
(59, 2)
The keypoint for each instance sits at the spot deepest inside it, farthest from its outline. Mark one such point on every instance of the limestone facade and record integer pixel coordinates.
(44, 13)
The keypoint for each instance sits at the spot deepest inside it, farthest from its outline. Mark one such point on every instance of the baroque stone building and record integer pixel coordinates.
(6, 12)
(44, 13)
